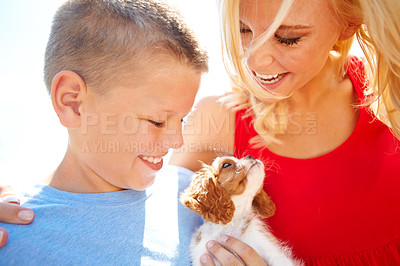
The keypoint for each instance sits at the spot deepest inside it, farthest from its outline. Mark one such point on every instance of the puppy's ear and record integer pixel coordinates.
(206, 197)
(263, 204)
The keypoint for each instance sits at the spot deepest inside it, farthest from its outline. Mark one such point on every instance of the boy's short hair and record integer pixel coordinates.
(94, 38)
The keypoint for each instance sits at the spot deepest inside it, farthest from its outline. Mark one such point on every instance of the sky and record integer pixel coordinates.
(32, 141)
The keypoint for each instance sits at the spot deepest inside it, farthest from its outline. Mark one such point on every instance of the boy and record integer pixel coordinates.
(122, 75)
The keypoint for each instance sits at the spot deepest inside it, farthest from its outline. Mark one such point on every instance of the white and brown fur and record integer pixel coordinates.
(229, 195)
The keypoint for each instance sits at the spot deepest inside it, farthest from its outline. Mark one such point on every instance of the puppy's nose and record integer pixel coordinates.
(249, 158)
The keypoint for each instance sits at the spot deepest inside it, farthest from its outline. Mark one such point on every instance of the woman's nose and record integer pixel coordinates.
(260, 58)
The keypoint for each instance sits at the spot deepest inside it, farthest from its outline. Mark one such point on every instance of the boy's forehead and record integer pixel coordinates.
(145, 69)
(169, 88)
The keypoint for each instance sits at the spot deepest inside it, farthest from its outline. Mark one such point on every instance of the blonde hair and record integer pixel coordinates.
(98, 38)
(381, 44)
(247, 93)
(270, 118)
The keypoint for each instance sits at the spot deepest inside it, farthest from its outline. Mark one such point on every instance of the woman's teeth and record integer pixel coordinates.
(269, 79)
(151, 159)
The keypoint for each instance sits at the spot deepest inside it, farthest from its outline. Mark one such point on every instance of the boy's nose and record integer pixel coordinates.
(174, 140)
(178, 142)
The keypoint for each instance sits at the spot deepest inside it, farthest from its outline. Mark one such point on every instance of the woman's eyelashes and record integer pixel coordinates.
(287, 41)
(281, 40)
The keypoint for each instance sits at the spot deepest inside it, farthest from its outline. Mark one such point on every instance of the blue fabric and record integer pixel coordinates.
(117, 228)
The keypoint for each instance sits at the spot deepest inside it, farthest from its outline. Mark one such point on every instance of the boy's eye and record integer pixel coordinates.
(157, 124)
(287, 41)
(226, 165)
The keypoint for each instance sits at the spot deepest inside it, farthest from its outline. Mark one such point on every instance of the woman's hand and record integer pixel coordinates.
(11, 212)
(246, 254)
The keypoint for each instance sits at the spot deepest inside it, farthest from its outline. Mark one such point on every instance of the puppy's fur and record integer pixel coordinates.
(229, 195)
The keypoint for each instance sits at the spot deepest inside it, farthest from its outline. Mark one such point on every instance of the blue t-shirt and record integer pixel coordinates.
(116, 228)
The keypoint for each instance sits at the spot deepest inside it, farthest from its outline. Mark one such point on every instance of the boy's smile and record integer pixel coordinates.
(154, 163)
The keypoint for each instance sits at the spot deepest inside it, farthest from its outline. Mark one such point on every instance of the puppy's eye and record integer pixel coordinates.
(226, 165)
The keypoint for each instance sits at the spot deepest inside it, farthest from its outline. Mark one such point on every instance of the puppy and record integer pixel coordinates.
(229, 195)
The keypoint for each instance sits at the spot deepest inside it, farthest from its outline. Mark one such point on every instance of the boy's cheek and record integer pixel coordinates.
(128, 124)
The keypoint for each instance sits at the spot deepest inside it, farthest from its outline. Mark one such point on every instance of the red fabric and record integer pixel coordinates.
(341, 208)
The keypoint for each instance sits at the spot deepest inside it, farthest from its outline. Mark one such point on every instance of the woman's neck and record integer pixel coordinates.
(321, 116)
(319, 87)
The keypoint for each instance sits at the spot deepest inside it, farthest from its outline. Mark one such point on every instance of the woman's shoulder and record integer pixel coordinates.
(208, 133)
(214, 105)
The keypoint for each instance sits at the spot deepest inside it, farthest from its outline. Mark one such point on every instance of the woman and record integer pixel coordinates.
(302, 106)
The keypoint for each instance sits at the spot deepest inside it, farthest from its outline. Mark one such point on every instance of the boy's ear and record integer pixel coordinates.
(349, 31)
(67, 92)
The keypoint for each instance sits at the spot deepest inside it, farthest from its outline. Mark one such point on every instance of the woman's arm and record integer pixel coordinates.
(208, 133)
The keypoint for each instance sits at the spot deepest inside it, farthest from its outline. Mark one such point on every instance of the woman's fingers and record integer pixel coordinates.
(224, 256)
(11, 212)
(3, 237)
(15, 214)
(8, 192)
(11, 199)
(206, 260)
(232, 251)
(248, 255)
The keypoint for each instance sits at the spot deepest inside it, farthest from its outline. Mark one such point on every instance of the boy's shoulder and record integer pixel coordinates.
(71, 228)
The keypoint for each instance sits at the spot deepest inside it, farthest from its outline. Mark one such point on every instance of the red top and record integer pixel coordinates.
(341, 208)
